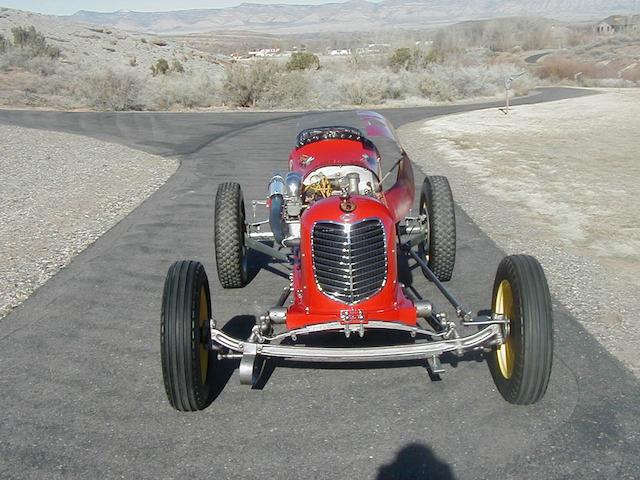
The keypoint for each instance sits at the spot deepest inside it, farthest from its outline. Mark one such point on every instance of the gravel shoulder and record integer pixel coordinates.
(59, 193)
(560, 181)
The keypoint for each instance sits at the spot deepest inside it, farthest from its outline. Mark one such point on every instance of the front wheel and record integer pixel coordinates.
(188, 368)
(521, 366)
(439, 249)
(230, 228)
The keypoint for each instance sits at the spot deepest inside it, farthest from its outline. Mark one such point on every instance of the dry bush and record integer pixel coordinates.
(288, 90)
(303, 61)
(18, 58)
(110, 89)
(373, 86)
(561, 68)
(437, 90)
(161, 67)
(29, 40)
(173, 91)
(245, 85)
(176, 66)
(410, 59)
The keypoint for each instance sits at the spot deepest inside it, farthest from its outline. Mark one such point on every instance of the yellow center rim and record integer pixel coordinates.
(505, 352)
(204, 353)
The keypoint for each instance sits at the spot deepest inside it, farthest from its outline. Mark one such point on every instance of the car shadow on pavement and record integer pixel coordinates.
(259, 261)
(339, 340)
(416, 462)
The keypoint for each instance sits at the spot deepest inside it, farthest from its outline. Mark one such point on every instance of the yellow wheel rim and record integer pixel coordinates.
(203, 317)
(505, 352)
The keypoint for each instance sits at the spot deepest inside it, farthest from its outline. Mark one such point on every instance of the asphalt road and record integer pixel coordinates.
(81, 385)
(533, 59)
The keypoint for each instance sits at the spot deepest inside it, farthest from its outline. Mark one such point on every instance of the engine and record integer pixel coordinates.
(291, 195)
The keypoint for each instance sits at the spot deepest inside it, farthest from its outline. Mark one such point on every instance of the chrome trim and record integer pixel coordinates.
(484, 338)
(334, 266)
(341, 327)
(276, 186)
(293, 184)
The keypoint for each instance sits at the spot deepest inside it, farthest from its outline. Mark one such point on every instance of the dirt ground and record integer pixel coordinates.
(560, 181)
(58, 193)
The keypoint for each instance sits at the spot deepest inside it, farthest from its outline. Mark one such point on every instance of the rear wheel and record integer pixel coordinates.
(188, 368)
(230, 228)
(521, 366)
(439, 250)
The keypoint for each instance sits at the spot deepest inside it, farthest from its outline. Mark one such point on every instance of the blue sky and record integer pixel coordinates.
(67, 7)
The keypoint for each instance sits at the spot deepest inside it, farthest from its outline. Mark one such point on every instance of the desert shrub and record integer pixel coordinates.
(29, 39)
(160, 68)
(500, 36)
(561, 68)
(179, 91)
(446, 43)
(19, 58)
(537, 36)
(176, 66)
(372, 87)
(244, 85)
(451, 81)
(303, 61)
(410, 59)
(44, 66)
(437, 90)
(110, 89)
(290, 89)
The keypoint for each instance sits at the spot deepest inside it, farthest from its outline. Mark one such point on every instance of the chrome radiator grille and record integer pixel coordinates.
(349, 260)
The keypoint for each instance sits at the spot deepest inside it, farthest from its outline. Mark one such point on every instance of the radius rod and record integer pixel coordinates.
(461, 311)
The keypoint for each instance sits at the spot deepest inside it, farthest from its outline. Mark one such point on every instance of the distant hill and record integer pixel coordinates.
(105, 47)
(354, 15)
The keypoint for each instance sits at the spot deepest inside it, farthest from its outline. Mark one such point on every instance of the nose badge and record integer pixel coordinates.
(346, 205)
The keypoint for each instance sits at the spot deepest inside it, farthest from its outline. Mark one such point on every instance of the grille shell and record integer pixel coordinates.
(349, 260)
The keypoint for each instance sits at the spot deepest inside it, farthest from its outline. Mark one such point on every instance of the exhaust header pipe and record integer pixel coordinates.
(276, 197)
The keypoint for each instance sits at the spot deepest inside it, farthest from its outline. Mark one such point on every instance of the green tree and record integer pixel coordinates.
(303, 61)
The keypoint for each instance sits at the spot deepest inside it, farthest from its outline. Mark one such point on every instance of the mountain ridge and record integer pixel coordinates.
(353, 15)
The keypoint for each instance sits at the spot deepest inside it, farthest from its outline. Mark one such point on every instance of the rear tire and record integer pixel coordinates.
(521, 366)
(436, 201)
(188, 368)
(230, 228)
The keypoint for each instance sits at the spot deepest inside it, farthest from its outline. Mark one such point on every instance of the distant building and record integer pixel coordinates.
(264, 52)
(338, 51)
(619, 24)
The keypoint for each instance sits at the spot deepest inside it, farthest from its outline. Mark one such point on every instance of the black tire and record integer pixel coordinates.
(521, 367)
(188, 368)
(231, 252)
(436, 201)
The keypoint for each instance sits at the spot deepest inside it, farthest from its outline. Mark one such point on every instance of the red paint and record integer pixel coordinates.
(312, 306)
(326, 153)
